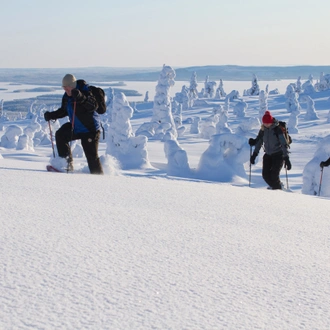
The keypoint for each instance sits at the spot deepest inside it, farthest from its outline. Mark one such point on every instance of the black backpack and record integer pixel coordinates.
(100, 99)
(282, 125)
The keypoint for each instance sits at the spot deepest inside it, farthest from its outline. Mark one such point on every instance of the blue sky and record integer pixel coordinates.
(149, 33)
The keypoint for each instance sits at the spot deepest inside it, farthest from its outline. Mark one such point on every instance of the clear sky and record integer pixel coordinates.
(149, 33)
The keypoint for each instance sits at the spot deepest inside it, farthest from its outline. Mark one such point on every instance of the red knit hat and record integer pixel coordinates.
(267, 118)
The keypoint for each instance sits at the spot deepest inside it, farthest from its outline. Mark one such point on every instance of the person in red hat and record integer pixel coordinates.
(271, 137)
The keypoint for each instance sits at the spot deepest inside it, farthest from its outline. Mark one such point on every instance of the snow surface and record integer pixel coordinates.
(139, 249)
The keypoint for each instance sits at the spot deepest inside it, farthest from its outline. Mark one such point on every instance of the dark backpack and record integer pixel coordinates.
(99, 95)
(282, 125)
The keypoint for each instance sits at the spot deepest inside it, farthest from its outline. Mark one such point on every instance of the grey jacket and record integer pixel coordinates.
(272, 139)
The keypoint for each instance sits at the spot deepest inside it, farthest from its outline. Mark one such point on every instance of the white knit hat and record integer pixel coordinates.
(69, 80)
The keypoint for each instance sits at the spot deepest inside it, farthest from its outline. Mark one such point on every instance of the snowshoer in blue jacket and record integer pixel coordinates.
(271, 137)
(79, 104)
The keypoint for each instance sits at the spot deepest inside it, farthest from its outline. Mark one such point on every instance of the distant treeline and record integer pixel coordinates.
(110, 74)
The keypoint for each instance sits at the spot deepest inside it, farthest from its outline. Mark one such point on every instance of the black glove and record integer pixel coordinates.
(47, 116)
(77, 95)
(252, 142)
(253, 158)
(287, 163)
(324, 164)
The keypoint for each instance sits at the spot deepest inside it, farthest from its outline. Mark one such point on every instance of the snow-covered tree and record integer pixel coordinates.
(299, 85)
(222, 124)
(109, 92)
(263, 103)
(220, 91)
(209, 90)
(312, 171)
(193, 93)
(310, 111)
(293, 121)
(292, 103)
(129, 150)
(308, 86)
(162, 110)
(183, 98)
(324, 83)
(205, 93)
(146, 97)
(254, 90)
(32, 111)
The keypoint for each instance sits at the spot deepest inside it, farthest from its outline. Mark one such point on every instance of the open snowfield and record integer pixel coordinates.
(140, 249)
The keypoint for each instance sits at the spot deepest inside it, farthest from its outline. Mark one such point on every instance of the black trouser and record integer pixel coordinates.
(271, 168)
(89, 142)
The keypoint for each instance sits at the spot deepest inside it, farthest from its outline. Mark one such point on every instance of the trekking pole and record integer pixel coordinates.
(320, 181)
(51, 137)
(72, 128)
(250, 166)
(287, 180)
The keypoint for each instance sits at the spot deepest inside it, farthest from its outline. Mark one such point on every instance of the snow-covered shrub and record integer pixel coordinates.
(177, 160)
(247, 125)
(233, 95)
(11, 136)
(194, 128)
(208, 126)
(224, 159)
(222, 125)
(240, 109)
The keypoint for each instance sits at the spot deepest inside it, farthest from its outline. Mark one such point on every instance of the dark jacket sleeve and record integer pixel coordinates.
(259, 141)
(60, 112)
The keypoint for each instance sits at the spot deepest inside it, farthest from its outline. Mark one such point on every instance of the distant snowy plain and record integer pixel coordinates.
(142, 250)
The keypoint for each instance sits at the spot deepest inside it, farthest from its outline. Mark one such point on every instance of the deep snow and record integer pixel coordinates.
(138, 249)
